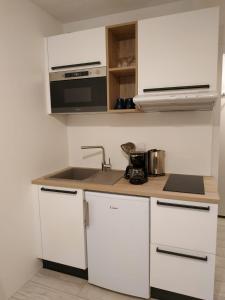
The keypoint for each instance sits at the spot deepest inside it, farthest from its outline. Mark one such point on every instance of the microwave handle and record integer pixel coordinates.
(77, 65)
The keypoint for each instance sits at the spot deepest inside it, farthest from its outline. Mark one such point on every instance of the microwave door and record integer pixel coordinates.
(79, 95)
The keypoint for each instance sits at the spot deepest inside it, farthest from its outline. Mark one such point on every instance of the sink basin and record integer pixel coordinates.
(108, 177)
(75, 174)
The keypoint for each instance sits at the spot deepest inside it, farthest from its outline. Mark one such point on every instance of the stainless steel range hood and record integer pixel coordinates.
(176, 99)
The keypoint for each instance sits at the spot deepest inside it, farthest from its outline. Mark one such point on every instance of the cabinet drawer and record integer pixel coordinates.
(182, 271)
(183, 224)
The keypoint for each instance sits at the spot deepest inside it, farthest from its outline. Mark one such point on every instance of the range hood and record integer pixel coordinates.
(176, 99)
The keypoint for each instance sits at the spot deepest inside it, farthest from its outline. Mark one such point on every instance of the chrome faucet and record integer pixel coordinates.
(105, 166)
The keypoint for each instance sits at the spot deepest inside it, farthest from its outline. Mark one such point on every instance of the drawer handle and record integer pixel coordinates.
(77, 65)
(58, 191)
(177, 88)
(183, 205)
(205, 258)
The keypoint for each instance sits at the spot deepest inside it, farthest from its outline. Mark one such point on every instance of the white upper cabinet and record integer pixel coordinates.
(80, 47)
(178, 50)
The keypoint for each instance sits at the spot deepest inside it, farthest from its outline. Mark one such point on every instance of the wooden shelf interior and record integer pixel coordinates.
(120, 87)
(121, 45)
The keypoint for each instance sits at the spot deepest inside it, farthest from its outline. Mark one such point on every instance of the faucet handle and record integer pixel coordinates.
(106, 166)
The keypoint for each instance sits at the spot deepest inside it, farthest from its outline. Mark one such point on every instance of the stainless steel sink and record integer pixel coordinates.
(75, 174)
(108, 177)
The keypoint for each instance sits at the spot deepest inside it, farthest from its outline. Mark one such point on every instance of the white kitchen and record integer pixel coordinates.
(112, 149)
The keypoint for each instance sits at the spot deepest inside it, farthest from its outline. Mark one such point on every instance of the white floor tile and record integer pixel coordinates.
(91, 292)
(220, 251)
(34, 291)
(65, 283)
(220, 274)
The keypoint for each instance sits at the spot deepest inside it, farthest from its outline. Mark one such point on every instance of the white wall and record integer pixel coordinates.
(32, 144)
(186, 137)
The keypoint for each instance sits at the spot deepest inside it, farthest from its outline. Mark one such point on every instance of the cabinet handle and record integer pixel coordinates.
(177, 88)
(205, 258)
(77, 65)
(183, 206)
(86, 217)
(58, 191)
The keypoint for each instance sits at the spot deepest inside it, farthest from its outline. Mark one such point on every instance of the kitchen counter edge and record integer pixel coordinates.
(153, 188)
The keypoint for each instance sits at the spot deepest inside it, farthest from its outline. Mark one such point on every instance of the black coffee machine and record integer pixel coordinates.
(137, 171)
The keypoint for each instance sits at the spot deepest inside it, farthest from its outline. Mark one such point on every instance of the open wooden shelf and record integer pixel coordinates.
(121, 49)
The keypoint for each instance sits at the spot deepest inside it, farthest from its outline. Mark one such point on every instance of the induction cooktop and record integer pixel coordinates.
(180, 183)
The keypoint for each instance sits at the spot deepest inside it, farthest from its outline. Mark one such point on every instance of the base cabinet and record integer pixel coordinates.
(62, 226)
(183, 247)
(184, 272)
(187, 225)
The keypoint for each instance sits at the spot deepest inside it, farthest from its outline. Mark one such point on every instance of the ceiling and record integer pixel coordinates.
(75, 10)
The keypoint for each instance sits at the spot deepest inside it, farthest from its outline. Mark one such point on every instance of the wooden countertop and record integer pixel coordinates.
(152, 188)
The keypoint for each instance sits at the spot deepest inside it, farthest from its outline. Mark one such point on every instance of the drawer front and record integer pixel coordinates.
(181, 271)
(183, 224)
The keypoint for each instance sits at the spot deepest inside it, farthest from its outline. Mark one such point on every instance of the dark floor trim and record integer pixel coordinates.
(65, 269)
(165, 295)
(222, 217)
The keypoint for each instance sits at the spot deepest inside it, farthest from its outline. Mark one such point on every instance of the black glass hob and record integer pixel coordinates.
(192, 184)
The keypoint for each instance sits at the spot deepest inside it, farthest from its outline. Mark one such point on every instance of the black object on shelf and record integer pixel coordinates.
(192, 184)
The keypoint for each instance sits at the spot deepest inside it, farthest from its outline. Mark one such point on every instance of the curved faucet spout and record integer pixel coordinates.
(104, 164)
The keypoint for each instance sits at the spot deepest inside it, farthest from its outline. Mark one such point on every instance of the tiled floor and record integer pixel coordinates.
(49, 285)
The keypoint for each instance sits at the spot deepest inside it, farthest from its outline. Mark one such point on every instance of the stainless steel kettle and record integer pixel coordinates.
(156, 162)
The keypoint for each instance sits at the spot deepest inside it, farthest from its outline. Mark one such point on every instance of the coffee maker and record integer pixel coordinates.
(137, 171)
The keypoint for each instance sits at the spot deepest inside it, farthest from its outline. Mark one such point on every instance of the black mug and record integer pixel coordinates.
(120, 103)
(129, 103)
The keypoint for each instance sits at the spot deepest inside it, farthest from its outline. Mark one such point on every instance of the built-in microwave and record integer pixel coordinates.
(78, 90)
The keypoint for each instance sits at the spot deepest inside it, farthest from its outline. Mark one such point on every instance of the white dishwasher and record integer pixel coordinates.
(118, 243)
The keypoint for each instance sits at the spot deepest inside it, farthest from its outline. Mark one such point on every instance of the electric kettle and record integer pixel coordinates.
(156, 162)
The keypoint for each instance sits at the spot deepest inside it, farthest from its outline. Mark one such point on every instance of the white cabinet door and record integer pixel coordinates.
(62, 226)
(187, 225)
(181, 271)
(118, 243)
(77, 48)
(178, 50)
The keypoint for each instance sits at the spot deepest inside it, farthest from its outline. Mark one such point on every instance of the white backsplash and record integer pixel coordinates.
(185, 136)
